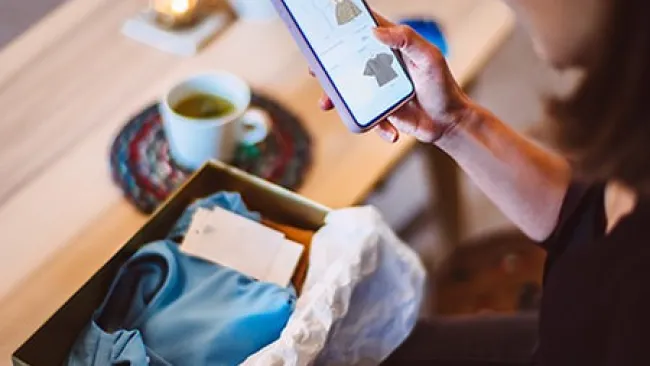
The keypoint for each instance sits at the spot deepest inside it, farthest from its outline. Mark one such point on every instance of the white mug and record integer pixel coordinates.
(256, 10)
(193, 141)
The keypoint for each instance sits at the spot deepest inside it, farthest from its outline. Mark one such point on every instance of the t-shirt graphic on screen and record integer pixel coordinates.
(381, 67)
(344, 51)
(346, 11)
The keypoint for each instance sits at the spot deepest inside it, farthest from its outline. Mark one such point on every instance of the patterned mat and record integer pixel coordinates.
(142, 167)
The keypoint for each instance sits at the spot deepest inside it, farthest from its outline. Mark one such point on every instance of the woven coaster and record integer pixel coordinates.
(142, 167)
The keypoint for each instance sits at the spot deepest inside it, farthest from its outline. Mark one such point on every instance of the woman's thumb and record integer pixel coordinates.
(409, 42)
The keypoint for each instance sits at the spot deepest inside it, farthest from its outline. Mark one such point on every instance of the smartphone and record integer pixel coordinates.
(366, 80)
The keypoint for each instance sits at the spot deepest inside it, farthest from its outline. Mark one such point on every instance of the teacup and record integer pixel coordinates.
(215, 131)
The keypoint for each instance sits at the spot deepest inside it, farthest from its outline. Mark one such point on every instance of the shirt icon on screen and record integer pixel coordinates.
(381, 67)
(346, 11)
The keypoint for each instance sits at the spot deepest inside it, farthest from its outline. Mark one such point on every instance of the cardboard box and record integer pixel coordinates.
(51, 344)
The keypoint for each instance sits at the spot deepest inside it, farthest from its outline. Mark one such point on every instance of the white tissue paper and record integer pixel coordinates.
(361, 298)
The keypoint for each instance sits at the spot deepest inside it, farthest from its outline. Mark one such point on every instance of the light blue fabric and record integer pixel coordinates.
(167, 308)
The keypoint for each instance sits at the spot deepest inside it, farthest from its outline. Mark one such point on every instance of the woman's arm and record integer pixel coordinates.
(527, 182)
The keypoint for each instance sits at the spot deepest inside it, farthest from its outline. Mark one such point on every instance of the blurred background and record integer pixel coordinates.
(494, 269)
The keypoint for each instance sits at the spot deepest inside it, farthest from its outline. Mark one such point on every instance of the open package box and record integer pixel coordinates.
(402, 271)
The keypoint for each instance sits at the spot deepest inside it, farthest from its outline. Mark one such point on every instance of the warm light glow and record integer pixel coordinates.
(180, 6)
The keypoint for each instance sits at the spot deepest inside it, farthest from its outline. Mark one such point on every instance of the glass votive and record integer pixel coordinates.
(175, 13)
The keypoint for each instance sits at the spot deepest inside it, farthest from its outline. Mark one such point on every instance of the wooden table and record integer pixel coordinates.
(68, 84)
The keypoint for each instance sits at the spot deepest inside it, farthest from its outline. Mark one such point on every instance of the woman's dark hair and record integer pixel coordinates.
(605, 126)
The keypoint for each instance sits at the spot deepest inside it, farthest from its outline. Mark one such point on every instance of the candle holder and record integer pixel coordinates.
(181, 27)
(175, 14)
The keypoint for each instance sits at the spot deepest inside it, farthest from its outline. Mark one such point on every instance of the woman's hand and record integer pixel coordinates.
(527, 182)
(440, 103)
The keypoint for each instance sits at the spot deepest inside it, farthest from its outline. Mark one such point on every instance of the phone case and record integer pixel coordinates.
(324, 79)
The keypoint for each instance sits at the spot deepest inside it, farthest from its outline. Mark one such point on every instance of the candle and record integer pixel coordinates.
(175, 13)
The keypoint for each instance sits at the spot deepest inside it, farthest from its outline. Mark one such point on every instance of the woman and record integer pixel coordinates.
(590, 209)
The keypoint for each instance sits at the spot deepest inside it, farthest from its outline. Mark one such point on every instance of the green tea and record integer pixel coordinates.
(204, 106)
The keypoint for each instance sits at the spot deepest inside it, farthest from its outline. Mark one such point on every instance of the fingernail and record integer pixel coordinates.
(388, 136)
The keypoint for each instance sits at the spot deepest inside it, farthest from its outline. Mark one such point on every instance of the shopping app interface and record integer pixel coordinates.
(366, 73)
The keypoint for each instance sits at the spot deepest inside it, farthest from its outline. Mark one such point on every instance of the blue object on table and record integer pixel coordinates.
(430, 30)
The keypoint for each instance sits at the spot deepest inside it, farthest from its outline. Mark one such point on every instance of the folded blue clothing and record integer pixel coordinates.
(168, 308)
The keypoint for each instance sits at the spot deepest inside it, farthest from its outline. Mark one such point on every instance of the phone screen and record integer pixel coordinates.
(366, 73)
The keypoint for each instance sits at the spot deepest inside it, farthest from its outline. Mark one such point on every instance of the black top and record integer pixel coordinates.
(596, 304)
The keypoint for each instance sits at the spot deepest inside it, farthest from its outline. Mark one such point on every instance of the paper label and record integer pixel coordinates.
(246, 246)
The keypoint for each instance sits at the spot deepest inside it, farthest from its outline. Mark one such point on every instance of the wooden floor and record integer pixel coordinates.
(501, 273)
